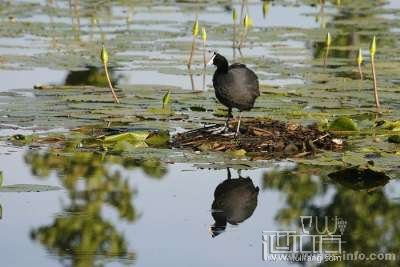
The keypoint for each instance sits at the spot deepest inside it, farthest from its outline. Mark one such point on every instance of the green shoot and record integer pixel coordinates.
(166, 99)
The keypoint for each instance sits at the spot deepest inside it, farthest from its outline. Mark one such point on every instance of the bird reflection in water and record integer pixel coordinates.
(234, 201)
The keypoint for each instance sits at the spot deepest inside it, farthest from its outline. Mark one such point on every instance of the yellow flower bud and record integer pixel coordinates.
(104, 55)
(372, 47)
(203, 34)
(195, 29)
(360, 58)
(328, 39)
(234, 14)
(265, 8)
(247, 21)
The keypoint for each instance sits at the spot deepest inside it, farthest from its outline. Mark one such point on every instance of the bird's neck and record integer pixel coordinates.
(223, 66)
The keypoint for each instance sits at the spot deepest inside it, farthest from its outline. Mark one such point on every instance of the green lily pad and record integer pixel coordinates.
(158, 139)
(132, 137)
(394, 139)
(389, 125)
(343, 124)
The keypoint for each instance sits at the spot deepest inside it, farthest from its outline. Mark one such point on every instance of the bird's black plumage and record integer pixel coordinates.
(236, 86)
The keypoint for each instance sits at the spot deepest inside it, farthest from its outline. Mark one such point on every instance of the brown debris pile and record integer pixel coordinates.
(265, 138)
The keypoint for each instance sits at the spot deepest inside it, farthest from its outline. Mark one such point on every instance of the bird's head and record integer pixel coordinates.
(218, 60)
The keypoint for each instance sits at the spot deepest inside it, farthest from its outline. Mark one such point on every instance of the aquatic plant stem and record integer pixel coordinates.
(191, 79)
(234, 39)
(326, 55)
(191, 52)
(204, 65)
(242, 39)
(360, 72)
(110, 85)
(377, 103)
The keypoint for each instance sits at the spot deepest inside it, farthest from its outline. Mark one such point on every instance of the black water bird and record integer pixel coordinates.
(236, 86)
(234, 201)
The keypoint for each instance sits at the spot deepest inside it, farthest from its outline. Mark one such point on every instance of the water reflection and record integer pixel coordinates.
(234, 202)
(82, 234)
(358, 178)
(353, 29)
(91, 76)
(372, 226)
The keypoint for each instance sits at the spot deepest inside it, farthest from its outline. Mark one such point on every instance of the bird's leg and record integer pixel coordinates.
(227, 120)
(238, 126)
(229, 173)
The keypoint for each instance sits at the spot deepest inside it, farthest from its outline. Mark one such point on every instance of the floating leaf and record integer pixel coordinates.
(19, 139)
(354, 159)
(394, 139)
(343, 124)
(132, 137)
(158, 139)
(389, 125)
(127, 146)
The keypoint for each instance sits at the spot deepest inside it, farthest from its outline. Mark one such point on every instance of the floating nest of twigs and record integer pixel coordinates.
(260, 138)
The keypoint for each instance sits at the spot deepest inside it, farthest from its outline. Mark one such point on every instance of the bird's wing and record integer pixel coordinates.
(248, 80)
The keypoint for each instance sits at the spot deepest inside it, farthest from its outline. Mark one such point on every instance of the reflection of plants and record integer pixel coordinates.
(90, 76)
(372, 224)
(83, 234)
